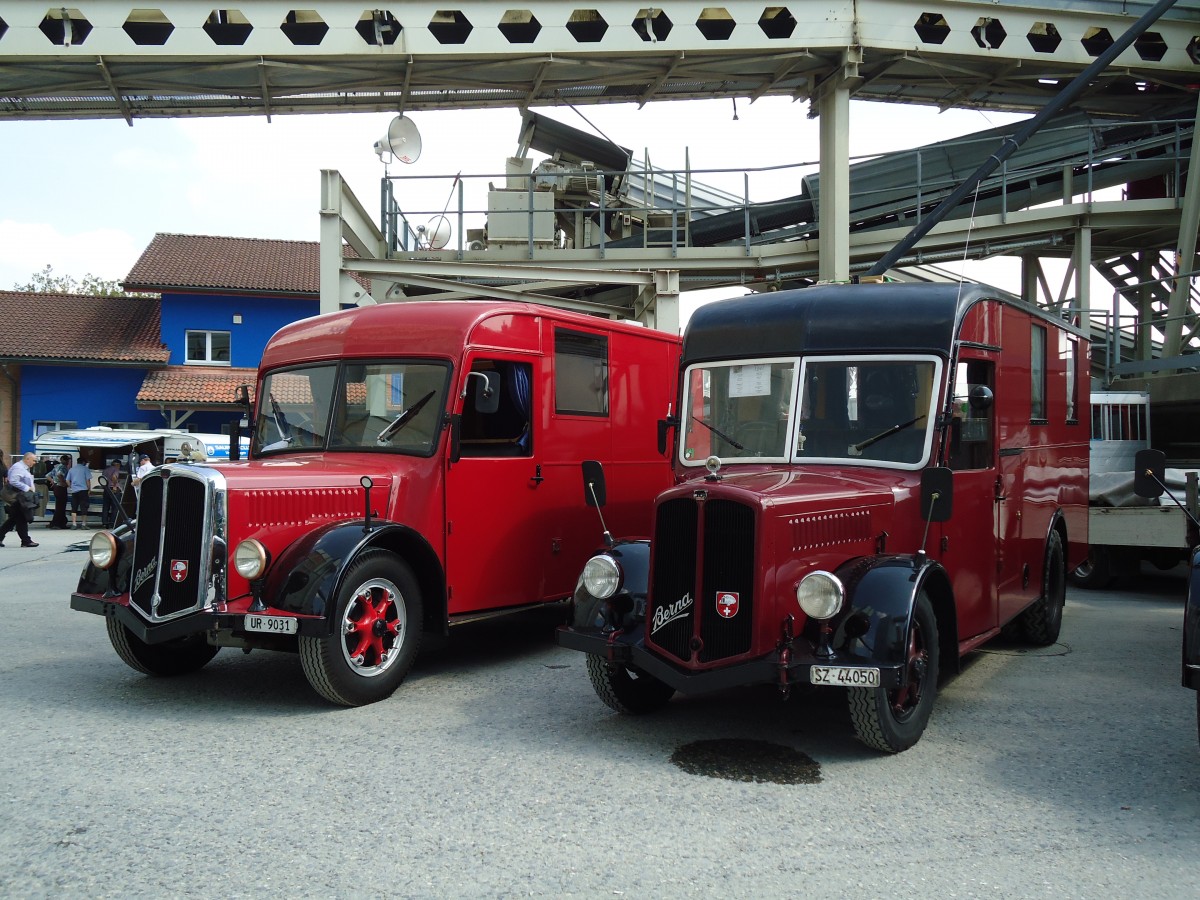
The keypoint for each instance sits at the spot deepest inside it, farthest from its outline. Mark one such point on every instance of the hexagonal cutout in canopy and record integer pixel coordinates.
(65, 26)
(1150, 46)
(450, 26)
(652, 24)
(777, 22)
(587, 26)
(227, 27)
(148, 27)
(1096, 40)
(520, 26)
(304, 27)
(989, 33)
(1043, 37)
(932, 28)
(378, 27)
(715, 23)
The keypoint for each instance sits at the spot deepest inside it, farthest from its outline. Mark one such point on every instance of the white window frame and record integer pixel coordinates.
(208, 351)
(41, 426)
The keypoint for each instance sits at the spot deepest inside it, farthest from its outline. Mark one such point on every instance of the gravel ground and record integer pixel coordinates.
(1069, 771)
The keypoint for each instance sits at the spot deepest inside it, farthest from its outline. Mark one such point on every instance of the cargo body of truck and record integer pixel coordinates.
(873, 480)
(1124, 529)
(412, 465)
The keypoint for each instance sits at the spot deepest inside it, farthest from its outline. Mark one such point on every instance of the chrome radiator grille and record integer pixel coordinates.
(173, 546)
(683, 616)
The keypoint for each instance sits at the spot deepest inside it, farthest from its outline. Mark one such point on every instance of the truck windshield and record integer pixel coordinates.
(862, 410)
(390, 406)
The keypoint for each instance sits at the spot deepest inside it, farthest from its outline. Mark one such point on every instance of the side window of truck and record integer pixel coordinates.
(972, 429)
(580, 373)
(499, 424)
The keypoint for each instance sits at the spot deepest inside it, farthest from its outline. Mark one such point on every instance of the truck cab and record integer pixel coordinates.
(412, 466)
(872, 480)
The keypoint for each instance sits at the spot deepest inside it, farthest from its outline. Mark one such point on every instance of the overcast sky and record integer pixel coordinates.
(86, 197)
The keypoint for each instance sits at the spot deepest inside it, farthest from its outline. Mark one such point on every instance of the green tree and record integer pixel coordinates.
(47, 281)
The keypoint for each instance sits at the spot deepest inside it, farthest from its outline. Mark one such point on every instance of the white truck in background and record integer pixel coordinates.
(1123, 529)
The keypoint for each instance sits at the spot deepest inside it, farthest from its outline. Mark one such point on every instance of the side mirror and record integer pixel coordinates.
(937, 494)
(665, 425)
(980, 397)
(485, 388)
(594, 493)
(1148, 470)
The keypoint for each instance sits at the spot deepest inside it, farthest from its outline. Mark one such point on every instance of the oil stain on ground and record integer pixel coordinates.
(735, 759)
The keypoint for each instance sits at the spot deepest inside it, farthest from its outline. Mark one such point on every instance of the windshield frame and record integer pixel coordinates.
(331, 438)
(800, 370)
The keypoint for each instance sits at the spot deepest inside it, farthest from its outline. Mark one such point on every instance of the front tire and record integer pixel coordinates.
(175, 657)
(627, 690)
(1042, 622)
(376, 633)
(892, 720)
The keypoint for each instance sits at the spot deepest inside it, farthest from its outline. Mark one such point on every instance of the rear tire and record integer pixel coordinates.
(175, 657)
(1042, 622)
(376, 633)
(892, 720)
(1094, 573)
(627, 690)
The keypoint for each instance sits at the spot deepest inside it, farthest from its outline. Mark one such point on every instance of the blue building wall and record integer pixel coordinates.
(261, 318)
(87, 395)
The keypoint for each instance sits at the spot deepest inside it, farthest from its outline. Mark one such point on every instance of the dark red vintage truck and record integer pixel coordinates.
(413, 465)
(872, 481)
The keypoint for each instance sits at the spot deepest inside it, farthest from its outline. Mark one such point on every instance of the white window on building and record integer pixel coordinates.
(41, 426)
(127, 426)
(210, 348)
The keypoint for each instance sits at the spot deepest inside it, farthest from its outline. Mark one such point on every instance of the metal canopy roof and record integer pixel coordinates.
(111, 59)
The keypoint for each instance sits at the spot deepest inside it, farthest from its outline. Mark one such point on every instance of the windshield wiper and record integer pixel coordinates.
(857, 449)
(403, 419)
(281, 422)
(722, 435)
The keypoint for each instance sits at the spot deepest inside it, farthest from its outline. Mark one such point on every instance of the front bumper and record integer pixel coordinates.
(232, 619)
(789, 665)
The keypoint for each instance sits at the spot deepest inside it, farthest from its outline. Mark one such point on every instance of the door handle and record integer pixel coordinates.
(537, 476)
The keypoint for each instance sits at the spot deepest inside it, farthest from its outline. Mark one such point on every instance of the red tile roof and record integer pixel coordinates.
(256, 265)
(80, 328)
(213, 387)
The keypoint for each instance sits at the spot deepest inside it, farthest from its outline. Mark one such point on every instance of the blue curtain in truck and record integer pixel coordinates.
(518, 383)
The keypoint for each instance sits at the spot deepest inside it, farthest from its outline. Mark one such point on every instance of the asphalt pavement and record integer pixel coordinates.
(1069, 771)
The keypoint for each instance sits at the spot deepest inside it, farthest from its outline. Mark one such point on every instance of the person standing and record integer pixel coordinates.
(143, 469)
(79, 483)
(112, 496)
(56, 478)
(21, 479)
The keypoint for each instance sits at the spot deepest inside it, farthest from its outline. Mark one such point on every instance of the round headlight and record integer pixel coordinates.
(250, 558)
(820, 595)
(103, 549)
(601, 576)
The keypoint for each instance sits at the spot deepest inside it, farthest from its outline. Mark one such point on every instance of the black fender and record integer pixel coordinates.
(1191, 626)
(880, 595)
(627, 607)
(307, 576)
(114, 580)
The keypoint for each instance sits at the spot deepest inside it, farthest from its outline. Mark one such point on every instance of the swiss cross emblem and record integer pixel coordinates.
(179, 569)
(727, 604)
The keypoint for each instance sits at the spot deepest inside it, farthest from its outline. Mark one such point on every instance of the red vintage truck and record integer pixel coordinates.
(413, 465)
(872, 481)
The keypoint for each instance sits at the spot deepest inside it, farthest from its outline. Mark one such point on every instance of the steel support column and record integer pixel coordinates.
(833, 210)
(1185, 254)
